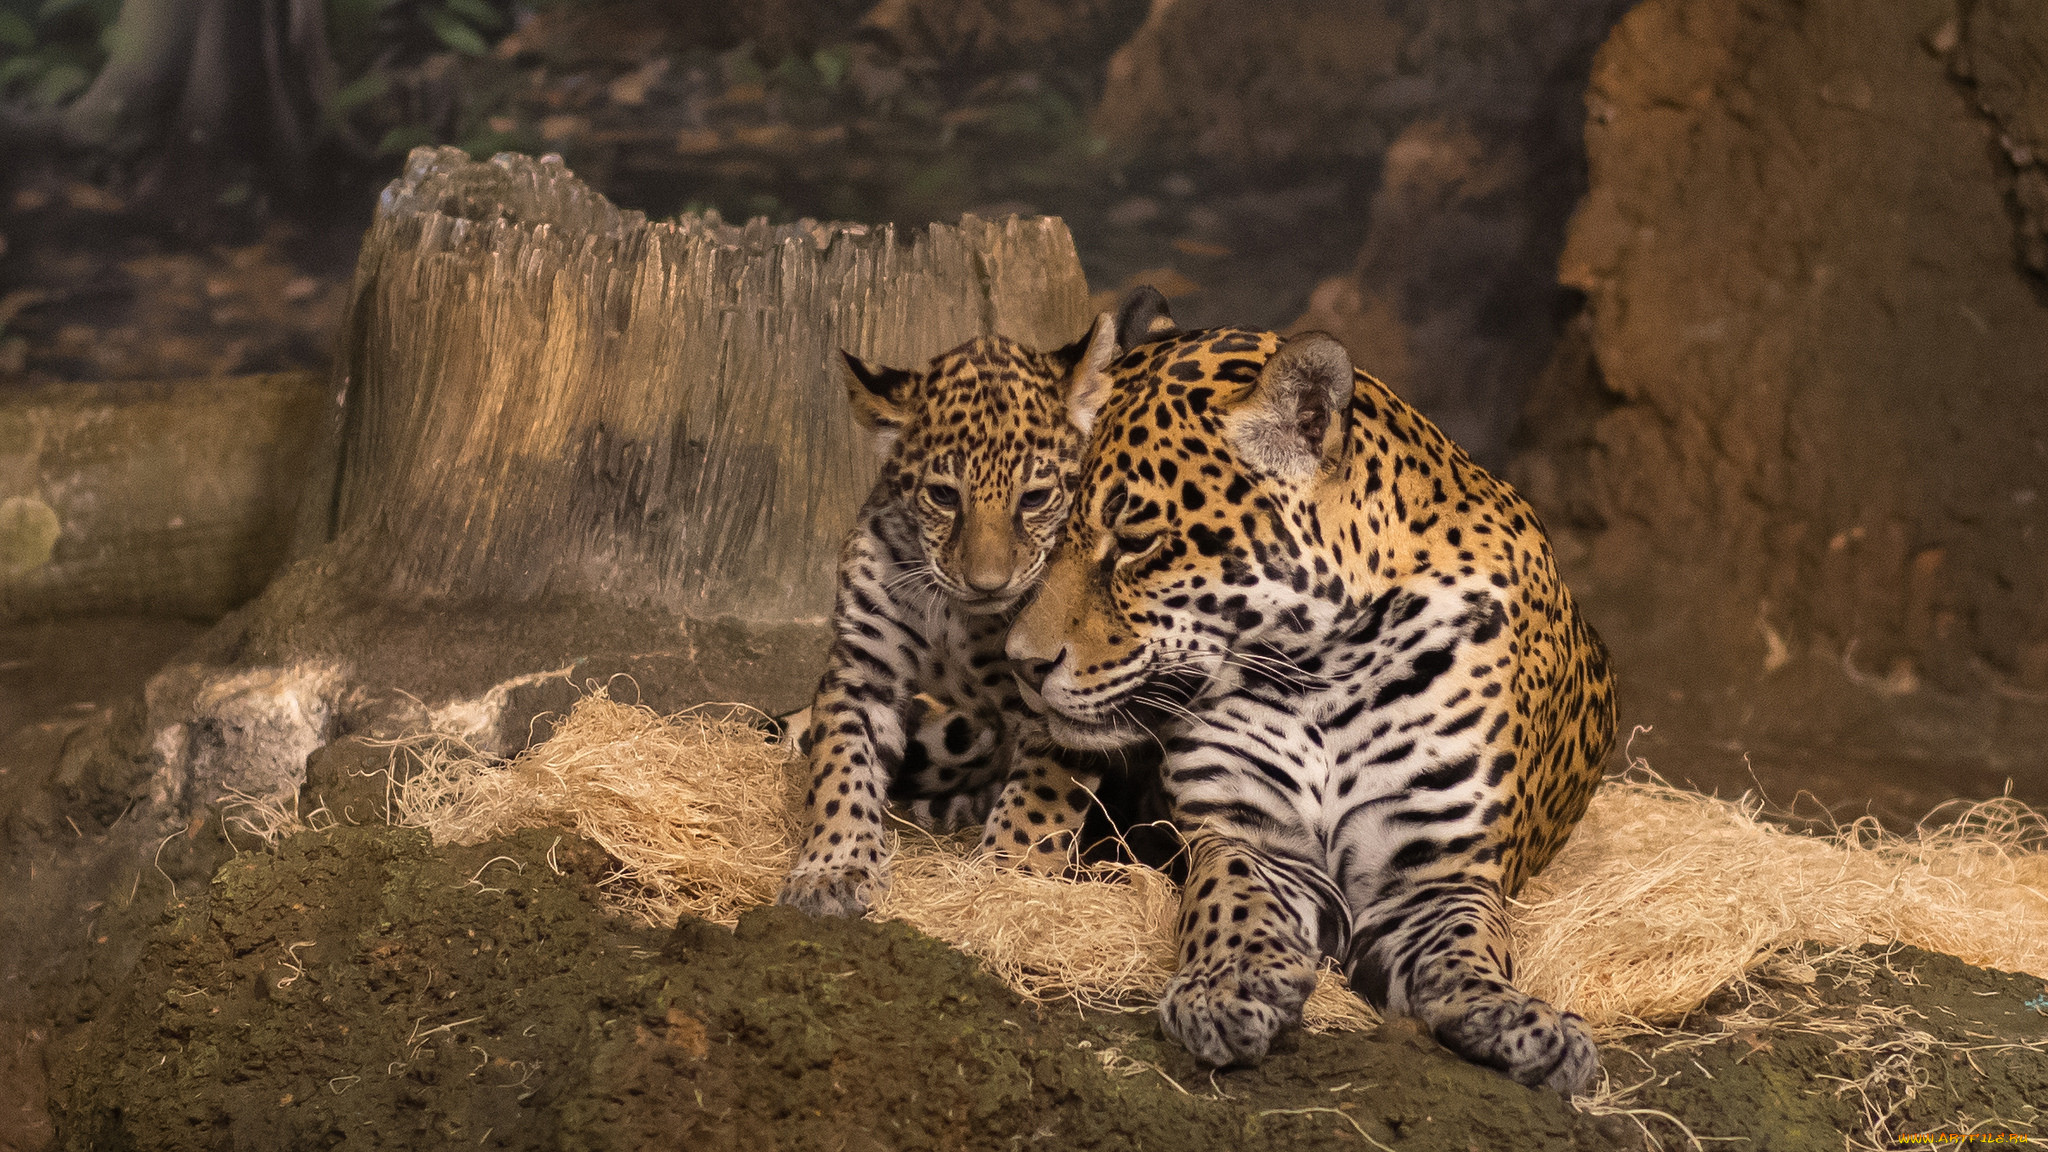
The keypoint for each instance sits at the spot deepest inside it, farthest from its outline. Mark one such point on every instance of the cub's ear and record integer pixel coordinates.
(878, 395)
(1143, 317)
(1294, 418)
(1087, 383)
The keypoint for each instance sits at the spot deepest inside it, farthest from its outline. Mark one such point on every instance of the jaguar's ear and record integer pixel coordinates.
(1294, 418)
(877, 395)
(1087, 383)
(1143, 317)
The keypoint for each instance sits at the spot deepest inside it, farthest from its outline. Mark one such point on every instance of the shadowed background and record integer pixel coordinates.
(1752, 302)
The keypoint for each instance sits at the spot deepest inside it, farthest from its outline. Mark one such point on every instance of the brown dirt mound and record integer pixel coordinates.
(359, 988)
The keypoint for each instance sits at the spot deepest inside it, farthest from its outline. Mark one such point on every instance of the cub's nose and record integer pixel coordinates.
(988, 579)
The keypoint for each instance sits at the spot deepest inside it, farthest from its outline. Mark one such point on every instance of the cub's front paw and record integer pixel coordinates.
(846, 890)
(1531, 1042)
(951, 812)
(1054, 854)
(1227, 1009)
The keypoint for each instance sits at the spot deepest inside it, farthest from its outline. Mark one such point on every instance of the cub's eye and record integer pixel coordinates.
(1034, 498)
(944, 495)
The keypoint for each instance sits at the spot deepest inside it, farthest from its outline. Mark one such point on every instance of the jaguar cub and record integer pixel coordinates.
(917, 706)
(1380, 708)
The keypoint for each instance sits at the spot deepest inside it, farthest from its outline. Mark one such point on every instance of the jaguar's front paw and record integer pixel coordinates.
(1531, 1042)
(1227, 1009)
(844, 890)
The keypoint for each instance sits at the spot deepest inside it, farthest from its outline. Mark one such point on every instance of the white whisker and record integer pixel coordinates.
(1275, 667)
(1120, 718)
(916, 574)
(1190, 714)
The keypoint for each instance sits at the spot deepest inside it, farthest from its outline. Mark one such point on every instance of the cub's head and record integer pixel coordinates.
(982, 447)
(1190, 539)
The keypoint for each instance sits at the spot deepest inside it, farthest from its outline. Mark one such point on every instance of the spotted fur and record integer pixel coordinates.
(917, 706)
(1380, 708)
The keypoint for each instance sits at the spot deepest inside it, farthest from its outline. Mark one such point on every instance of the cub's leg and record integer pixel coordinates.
(1036, 822)
(857, 739)
(1253, 927)
(949, 776)
(843, 866)
(1438, 950)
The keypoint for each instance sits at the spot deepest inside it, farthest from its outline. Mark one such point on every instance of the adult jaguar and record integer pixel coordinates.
(1380, 708)
(917, 706)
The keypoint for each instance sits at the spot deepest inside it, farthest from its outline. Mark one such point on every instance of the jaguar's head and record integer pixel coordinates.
(1192, 542)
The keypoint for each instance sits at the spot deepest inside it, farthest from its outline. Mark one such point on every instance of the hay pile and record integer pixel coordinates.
(1664, 895)
(1661, 897)
(692, 806)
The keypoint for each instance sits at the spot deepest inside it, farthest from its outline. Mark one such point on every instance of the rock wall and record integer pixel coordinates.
(1453, 299)
(2001, 48)
(1802, 424)
(1470, 112)
(1297, 81)
(1313, 79)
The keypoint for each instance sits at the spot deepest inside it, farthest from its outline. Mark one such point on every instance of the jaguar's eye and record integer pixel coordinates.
(1133, 547)
(944, 495)
(1034, 498)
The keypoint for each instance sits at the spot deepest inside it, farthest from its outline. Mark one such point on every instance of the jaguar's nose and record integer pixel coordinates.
(1032, 673)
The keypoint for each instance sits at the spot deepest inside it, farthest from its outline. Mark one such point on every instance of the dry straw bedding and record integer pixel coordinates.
(1660, 897)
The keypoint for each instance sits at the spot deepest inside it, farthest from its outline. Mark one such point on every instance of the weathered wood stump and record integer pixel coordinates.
(548, 395)
(567, 443)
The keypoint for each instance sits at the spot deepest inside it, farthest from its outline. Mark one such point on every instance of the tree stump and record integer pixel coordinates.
(567, 443)
(548, 395)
